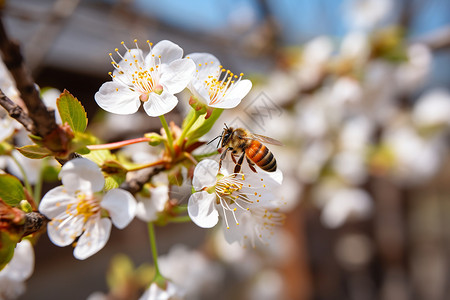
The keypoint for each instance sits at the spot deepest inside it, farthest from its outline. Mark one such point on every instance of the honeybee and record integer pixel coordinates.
(249, 145)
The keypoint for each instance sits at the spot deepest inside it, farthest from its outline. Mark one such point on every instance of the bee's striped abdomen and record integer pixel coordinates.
(261, 156)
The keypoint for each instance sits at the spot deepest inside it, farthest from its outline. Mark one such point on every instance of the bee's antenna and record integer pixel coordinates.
(225, 125)
(213, 139)
(218, 143)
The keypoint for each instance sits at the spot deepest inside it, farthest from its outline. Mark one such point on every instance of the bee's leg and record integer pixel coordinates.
(237, 168)
(233, 158)
(222, 156)
(251, 165)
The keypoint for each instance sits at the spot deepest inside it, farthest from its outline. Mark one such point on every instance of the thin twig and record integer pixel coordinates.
(136, 183)
(16, 112)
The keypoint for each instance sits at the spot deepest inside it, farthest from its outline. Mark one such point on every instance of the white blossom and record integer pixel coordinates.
(78, 208)
(153, 80)
(18, 270)
(216, 86)
(244, 198)
(171, 292)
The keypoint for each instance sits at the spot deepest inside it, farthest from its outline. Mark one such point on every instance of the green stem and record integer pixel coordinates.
(200, 156)
(187, 127)
(25, 178)
(38, 184)
(152, 237)
(180, 219)
(168, 133)
(180, 209)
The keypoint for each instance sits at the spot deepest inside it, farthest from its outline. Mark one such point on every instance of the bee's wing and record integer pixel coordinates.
(265, 139)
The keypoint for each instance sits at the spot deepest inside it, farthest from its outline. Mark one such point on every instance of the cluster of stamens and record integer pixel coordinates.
(86, 206)
(219, 84)
(270, 219)
(232, 189)
(144, 79)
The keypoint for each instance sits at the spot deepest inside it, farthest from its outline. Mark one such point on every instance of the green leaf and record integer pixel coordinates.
(80, 141)
(11, 190)
(7, 246)
(34, 151)
(100, 156)
(202, 125)
(115, 174)
(113, 170)
(72, 112)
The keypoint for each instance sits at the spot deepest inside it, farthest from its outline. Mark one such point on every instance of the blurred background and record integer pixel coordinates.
(358, 92)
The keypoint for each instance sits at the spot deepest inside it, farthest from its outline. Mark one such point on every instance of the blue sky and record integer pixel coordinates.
(300, 20)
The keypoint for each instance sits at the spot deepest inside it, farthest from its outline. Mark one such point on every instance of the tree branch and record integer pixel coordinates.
(16, 112)
(136, 183)
(44, 120)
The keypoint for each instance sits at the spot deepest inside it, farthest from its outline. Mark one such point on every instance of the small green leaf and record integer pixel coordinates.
(80, 141)
(202, 126)
(115, 174)
(72, 112)
(114, 181)
(34, 151)
(11, 190)
(7, 246)
(5, 148)
(100, 156)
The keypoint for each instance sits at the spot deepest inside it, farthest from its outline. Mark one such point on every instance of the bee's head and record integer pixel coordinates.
(226, 135)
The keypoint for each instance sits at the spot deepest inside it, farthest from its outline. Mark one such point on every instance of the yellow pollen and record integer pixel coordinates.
(228, 227)
(122, 43)
(135, 40)
(256, 193)
(235, 209)
(116, 49)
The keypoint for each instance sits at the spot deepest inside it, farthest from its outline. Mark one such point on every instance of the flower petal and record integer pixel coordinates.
(55, 202)
(205, 174)
(201, 209)
(121, 206)
(210, 65)
(117, 98)
(199, 90)
(158, 105)
(235, 96)
(167, 50)
(148, 207)
(63, 232)
(81, 174)
(21, 265)
(177, 75)
(93, 239)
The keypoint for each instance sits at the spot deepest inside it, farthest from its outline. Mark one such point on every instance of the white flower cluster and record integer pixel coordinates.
(153, 79)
